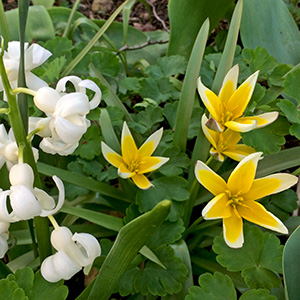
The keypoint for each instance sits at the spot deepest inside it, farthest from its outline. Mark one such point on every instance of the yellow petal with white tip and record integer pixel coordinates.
(142, 181)
(151, 143)
(111, 156)
(242, 124)
(216, 208)
(263, 119)
(233, 231)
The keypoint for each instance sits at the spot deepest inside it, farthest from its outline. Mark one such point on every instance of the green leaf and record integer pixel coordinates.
(280, 38)
(290, 110)
(39, 24)
(276, 77)
(273, 133)
(177, 163)
(10, 291)
(53, 69)
(282, 204)
(260, 59)
(192, 13)
(147, 120)
(217, 287)
(172, 65)
(155, 280)
(259, 259)
(106, 62)
(59, 46)
(291, 85)
(260, 294)
(291, 271)
(131, 84)
(34, 286)
(295, 130)
(124, 250)
(172, 188)
(46, 3)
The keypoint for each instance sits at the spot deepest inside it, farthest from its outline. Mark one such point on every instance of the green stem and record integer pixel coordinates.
(24, 91)
(209, 160)
(4, 110)
(192, 227)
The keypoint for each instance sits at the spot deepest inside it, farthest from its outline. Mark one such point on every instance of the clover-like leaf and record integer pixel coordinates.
(273, 133)
(259, 259)
(25, 285)
(172, 65)
(172, 188)
(291, 85)
(290, 110)
(260, 294)
(177, 163)
(282, 204)
(106, 62)
(9, 290)
(217, 287)
(276, 77)
(153, 279)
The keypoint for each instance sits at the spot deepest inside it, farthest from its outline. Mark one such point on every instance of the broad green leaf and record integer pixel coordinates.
(124, 250)
(273, 133)
(155, 280)
(192, 13)
(59, 46)
(290, 110)
(282, 204)
(260, 294)
(291, 270)
(276, 78)
(295, 130)
(172, 65)
(216, 286)
(106, 62)
(291, 85)
(39, 25)
(173, 188)
(46, 3)
(259, 259)
(281, 38)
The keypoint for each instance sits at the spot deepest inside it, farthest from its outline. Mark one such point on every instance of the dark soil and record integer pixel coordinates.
(154, 16)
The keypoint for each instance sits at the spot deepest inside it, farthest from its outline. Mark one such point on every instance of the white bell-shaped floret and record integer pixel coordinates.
(3, 238)
(5, 215)
(59, 266)
(25, 206)
(21, 174)
(46, 99)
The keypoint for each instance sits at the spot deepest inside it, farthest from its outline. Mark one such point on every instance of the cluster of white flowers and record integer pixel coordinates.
(61, 129)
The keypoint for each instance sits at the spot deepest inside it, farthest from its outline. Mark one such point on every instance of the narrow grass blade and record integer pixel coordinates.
(131, 238)
(71, 17)
(229, 49)
(3, 26)
(98, 218)
(187, 96)
(83, 181)
(108, 132)
(93, 41)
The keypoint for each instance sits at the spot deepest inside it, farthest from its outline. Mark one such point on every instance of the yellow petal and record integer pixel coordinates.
(270, 185)
(111, 156)
(241, 178)
(124, 172)
(231, 137)
(239, 152)
(233, 231)
(216, 155)
(263, 119)
(151, 163)
(229, 84)
(141, 181)
(129, 149)
(209, 179)
(210, 100)
(241, 97)
(241, 124)
(211, 135)
(216, 208)
(256, 213)
(151, 143)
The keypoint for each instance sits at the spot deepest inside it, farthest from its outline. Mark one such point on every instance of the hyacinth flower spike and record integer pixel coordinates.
(134, 162)
(228, 107)
(236, 199)
(225, 143)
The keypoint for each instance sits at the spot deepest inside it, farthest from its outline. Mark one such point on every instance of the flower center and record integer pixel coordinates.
(235, 201)
(226, 117)
(134, 165)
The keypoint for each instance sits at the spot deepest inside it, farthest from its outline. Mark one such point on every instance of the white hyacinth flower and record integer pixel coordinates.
(3, 238)
(35, 55)
(74, 252)
(26, 201)
(9, 149)
(66, 120)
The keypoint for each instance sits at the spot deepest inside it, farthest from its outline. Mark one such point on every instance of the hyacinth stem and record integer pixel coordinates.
(53, 222)
(24, 91)
(41, 224)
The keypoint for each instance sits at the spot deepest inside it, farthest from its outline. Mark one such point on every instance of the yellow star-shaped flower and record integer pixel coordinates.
(134, 163)
(225, 143)
(228, 107)
(236, 199)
